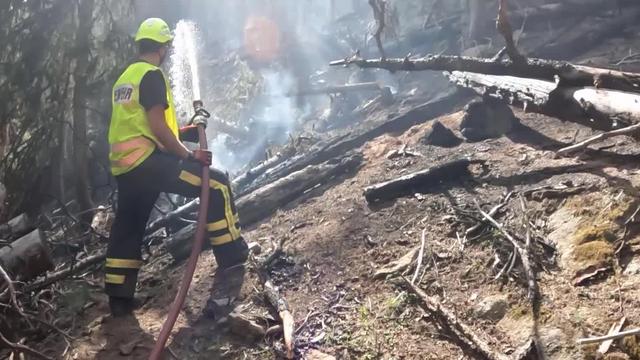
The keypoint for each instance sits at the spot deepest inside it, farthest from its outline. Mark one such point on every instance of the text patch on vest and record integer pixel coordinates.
(122, 94)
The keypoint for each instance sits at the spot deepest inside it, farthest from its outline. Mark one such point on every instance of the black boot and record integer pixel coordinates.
(231, 254)
(121, 307)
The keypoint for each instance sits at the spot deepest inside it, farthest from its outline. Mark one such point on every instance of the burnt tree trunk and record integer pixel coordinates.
(421, 181)
(80, 142)
(16, 227)
(27, 257)
(596, 108)
(568, 74)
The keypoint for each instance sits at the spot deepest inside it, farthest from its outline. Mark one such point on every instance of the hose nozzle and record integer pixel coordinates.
(200, 115)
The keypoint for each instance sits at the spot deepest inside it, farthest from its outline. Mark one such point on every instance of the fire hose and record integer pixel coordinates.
(200, 120)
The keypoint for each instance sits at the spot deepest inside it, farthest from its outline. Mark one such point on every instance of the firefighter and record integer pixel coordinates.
(147, 157)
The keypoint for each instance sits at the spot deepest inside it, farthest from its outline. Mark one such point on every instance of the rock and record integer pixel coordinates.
(556, 343)
(439, 135)
(243, 326)
(127, 349)
(318, 355)
(633, 268)
(486, 119)
(398, 266)
(102, 221)
(491, 308)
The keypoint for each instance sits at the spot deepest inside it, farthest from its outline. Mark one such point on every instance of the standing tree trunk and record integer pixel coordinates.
(80, 143)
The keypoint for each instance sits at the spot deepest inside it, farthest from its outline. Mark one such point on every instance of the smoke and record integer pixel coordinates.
(289, 50)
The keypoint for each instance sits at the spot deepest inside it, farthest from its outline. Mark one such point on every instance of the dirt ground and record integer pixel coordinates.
(334, 243)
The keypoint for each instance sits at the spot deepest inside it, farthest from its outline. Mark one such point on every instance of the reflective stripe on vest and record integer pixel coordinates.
(130, 135)
(131, 150)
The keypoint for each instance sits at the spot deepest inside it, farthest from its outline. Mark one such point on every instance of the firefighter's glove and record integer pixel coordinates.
(204, 157)
(200, 117)
(189, 133)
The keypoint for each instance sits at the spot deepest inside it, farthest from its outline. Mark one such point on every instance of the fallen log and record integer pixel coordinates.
(449, 320)
(569, 74)
(17, 227)
(421, 181)
(265, 201)
(332, 148)
(596, 108)
(245, 179)
(27, 257)
(326, 150)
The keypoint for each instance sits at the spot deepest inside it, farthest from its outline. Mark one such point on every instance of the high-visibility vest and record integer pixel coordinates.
(130, 136)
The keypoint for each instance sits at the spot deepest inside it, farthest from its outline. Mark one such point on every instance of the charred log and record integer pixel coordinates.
(16, 227)
(597, 108)
(421, 181)
(27, 257)
(327, 150)
(245, 179)
(568, 74)
(335, 147)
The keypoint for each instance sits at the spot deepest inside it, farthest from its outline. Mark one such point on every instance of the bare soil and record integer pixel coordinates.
(335, 241)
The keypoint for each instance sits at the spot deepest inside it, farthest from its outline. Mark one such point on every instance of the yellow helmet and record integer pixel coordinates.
(154, 29)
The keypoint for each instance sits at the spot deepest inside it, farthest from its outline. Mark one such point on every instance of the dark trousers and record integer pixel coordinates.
(138, 190)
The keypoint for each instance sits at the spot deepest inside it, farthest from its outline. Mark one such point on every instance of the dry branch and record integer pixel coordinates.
(629, 130)
(449, 320)
(473, 230)
(276, 300)
(379, 9)
(419, 181)
(420, 256)
(524, 255)
(71, 270)
(504, 28)
(570, 74)
(618, 335)
(282, 307)
(615, 328)
(22, 348)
